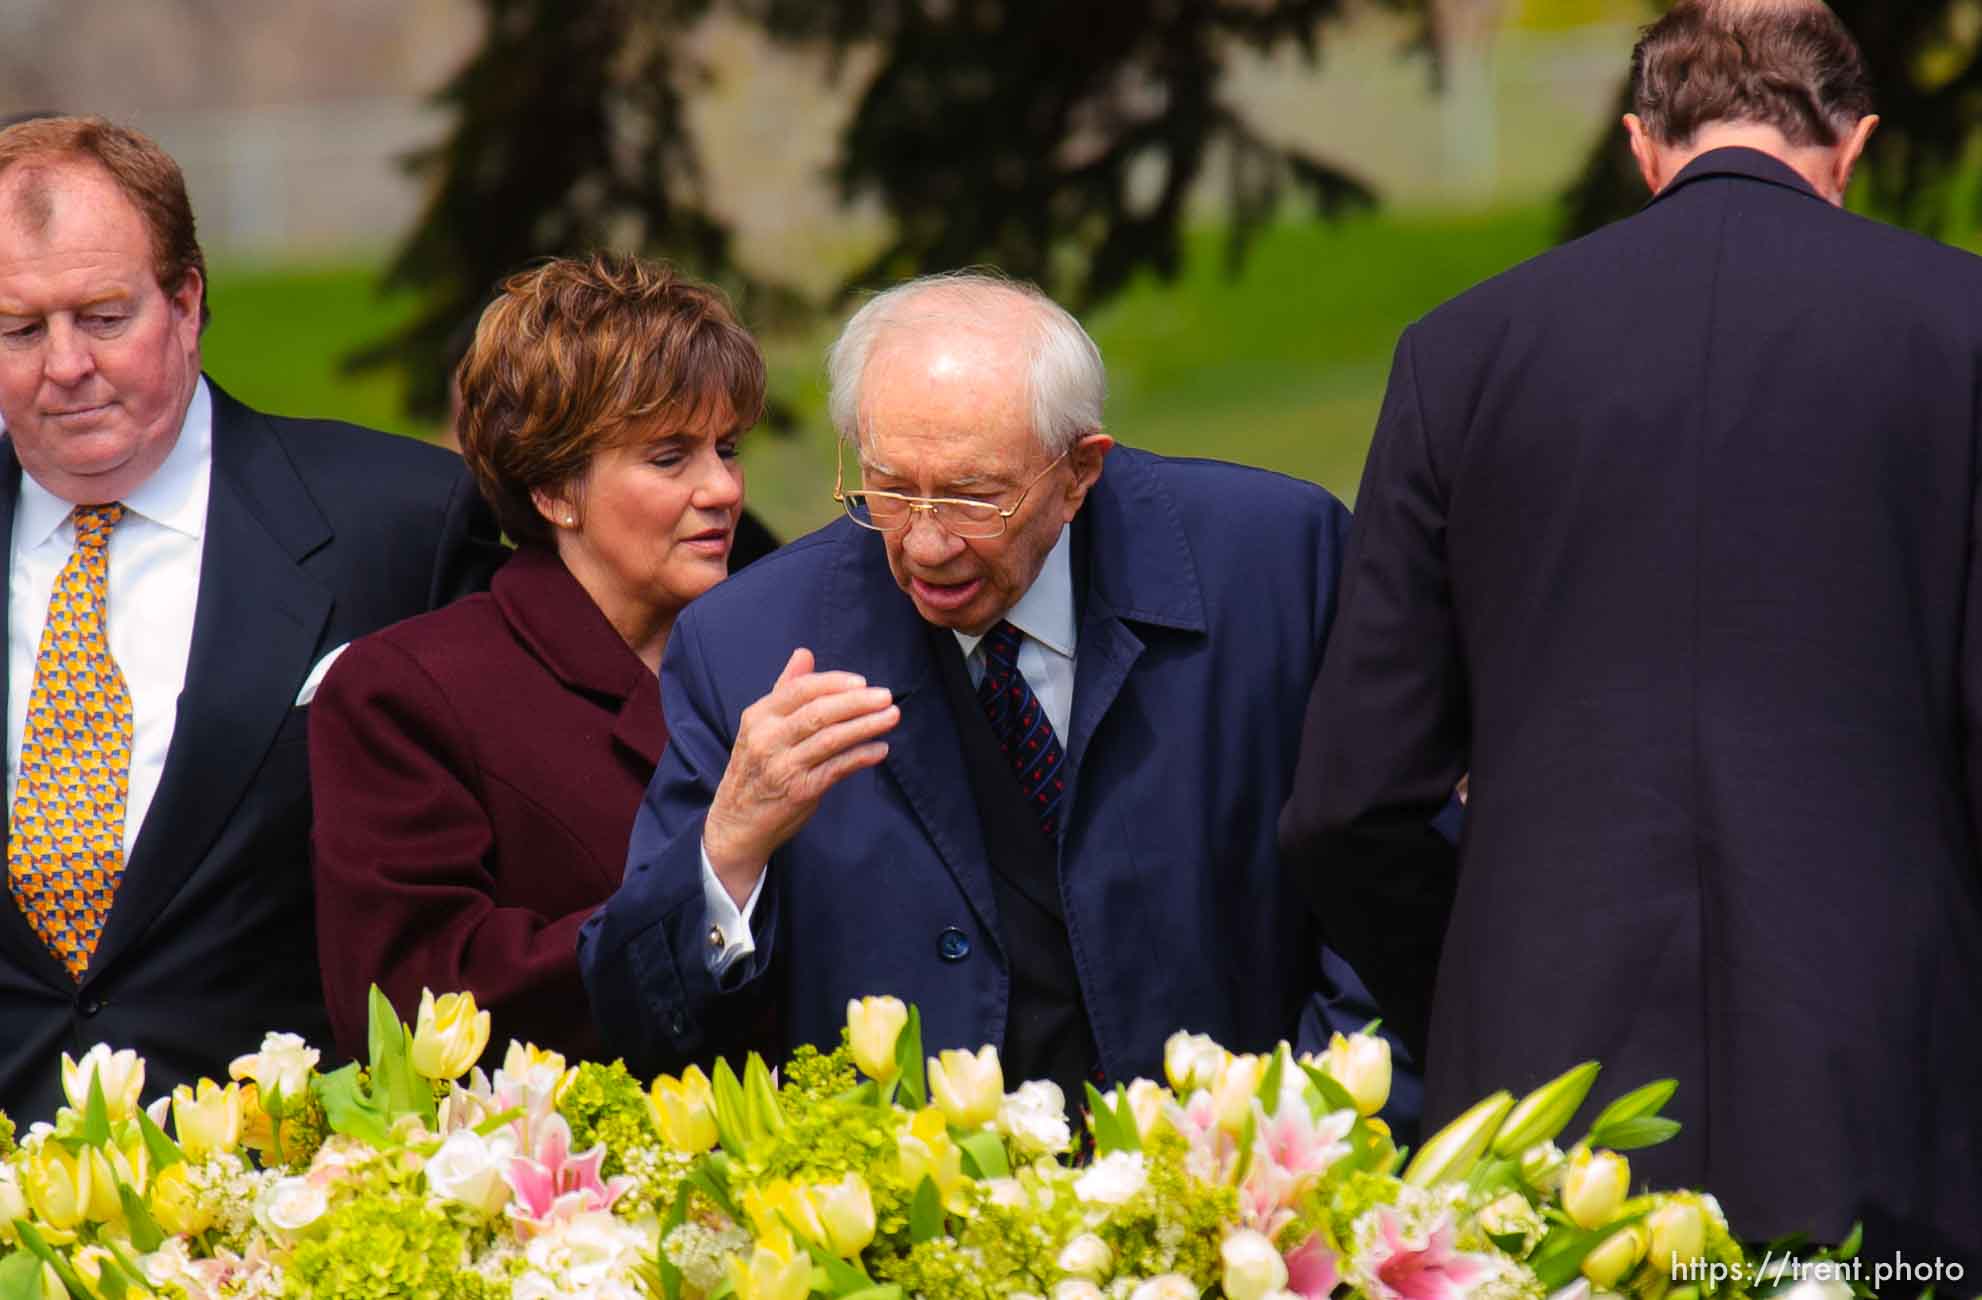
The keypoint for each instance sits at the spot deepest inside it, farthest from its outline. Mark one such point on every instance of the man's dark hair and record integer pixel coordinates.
(1789, 64)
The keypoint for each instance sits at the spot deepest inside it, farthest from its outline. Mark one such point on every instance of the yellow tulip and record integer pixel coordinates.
(771, 1273)
(1192, 1061)
(178, 1208)
(685, 1111)
(926, 1151)
(13, 1202)
(873, 1026)
(1235, 1088)
(207, 1121)
(449, 1035)
(968, 1088)
(1594, 1185)
(525, 1058)
(121, 1073)
(846, 1211)
(103, 1205)
(57, 1185)
(1615, 1257)
(780, 1206)
(1678, 1237)
(1361, 1064)
(1146, 1099)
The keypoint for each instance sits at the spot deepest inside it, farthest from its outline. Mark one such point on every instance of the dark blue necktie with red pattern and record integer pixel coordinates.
(1019, 722)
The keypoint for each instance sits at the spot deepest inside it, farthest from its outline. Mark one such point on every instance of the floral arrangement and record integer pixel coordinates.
(865, 1173)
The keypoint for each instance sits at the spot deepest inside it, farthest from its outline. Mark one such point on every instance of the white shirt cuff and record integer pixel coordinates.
(729, 929)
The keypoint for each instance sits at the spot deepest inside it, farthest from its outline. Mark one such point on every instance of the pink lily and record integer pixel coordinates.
(1402, 1268)
(1311, 1271)
(556, 1184)
(1294, 1140)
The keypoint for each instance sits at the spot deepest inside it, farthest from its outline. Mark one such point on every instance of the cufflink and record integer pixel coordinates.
(716, 941)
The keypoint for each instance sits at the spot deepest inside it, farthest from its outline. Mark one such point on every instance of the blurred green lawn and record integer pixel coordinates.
(1282, 365)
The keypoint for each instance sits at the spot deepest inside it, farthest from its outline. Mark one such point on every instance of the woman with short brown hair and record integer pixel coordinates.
(476, 770)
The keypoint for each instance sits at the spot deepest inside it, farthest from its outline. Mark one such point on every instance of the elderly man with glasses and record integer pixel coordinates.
(1007, 742)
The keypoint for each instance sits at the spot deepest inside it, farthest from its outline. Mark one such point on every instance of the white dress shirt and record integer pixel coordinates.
(154, 587)
(1045, 617)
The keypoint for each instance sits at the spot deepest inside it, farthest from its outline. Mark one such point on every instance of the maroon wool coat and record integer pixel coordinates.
(476, 771)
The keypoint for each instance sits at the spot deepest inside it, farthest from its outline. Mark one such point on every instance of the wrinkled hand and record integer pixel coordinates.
(811, 732)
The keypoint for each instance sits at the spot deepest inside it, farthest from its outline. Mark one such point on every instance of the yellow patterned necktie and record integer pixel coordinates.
(66, 853)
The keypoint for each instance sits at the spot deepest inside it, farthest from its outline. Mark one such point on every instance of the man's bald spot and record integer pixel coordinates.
(27, 196)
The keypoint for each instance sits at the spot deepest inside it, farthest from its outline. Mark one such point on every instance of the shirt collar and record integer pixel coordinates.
(175, 496)
(1046, 611)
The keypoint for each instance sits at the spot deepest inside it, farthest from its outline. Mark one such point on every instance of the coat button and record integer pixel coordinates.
(953, 944)
(89, 1006)
(677, 1024)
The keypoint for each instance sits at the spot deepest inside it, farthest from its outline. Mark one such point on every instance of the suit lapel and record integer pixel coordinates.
(871, 628)
(17, 939)
(1132, 564)
(256, 633)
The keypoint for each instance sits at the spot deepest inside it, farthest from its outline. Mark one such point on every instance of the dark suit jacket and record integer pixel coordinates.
(1671, 536)
(1207, 594)
(476, 772)
(316, 533)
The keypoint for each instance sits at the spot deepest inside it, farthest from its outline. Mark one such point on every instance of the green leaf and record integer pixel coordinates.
(842, 1278)
(1332, 1093)
(983, 1154)
(20, 1276)
(1246, 1147)
(349, 1109)
(866, 1093)
(1639, 1101)
(1848, 1248)
(496, 1123)
(1102, 1122)
(132, 1268)
(911, 1080)
(711, 1176)
(761, 1097)
(1492, 1175)
(1269, 1082)
(32, 1239)
(1559, 1258)
(395, 1085)
(1125, 1120)
(1631, 1134)
(145, 1232)
(925, 1213)
(163, 1150)
(96, 1113)
(670, 1272)
(1544, 1113)
(1372, 1026)
(732, 1110)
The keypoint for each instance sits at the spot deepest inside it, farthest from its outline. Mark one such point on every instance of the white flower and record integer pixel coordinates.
(1192, 1061)
(591, 1254)
(1006, 1193)
(1146, 1099)
(1252, 1266)
(1170, 1286)
(1113, 1179)
(1076, 1288)
(1812, 1288)
(290, 1206)
(1086, 1256)
(1035, 1119)
(468, 1169)
(13, 1202)
(280, 1070)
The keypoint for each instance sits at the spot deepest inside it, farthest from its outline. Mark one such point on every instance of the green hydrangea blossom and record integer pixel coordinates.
(390, 1244)
(812, 1076)
(6, 1135)
(605, 1103)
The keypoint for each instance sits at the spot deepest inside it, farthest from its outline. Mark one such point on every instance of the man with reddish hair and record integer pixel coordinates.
(180, 570)
(1670, 538)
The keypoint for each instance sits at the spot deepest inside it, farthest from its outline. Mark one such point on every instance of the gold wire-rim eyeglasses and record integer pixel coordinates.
(959, 516)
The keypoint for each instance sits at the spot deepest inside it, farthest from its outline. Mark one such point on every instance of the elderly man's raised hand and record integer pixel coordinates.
(812, 731)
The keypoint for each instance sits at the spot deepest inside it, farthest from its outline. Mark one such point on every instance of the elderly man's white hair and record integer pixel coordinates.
(1065, 380)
